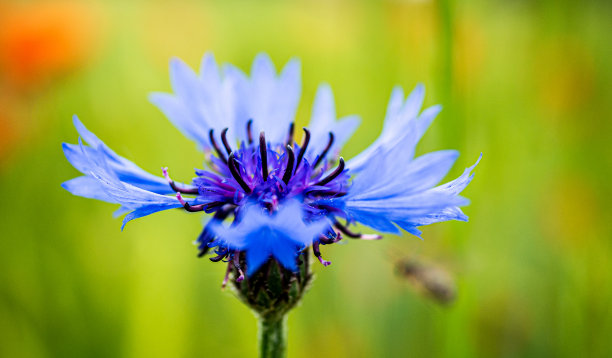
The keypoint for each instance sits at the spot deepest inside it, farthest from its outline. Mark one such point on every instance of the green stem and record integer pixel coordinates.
(273, 337)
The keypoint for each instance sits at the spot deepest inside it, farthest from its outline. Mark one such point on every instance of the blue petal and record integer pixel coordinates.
(373, 220)
(390, 187)
(111, 178)
(256, 256)
(392, 175)
(272, 101)
(125, 170)
(200, 103)
(456, 186)
(323, 121)
(323, 109)
(290, 86)
(86, 187)
(286, 251)
(402, 124)
(185, 82)
(147, 210)
(398, 111)
(262, 235)
(270, 243)
(263, 71)
(211, 101)
(209, 71)
(178, 113)
(446, 214)
(75, 156)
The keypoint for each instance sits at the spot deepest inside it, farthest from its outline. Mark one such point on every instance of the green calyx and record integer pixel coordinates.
(273, 291)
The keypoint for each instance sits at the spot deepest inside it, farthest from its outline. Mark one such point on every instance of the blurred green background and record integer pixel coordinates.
(528, 83)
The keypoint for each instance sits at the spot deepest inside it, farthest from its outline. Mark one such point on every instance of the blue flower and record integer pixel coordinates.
(277, 197)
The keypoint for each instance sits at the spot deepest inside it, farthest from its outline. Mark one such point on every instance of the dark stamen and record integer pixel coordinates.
(264, 155)
(183, 190)
(303, 148)
(190, 208)
(343, 229)
(317, 253)
(289, 168)
(328, 240)
(213, 205)
(194, 208)
(291, 130)
(228, 149)
(322, 156)
(233, 167)
(333, 175)
(219, 257)
(335, 194)
(213, 142)
(205, 238)
(250, 131)
(176, 188)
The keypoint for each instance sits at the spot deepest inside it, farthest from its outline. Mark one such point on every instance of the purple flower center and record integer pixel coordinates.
(266, 174)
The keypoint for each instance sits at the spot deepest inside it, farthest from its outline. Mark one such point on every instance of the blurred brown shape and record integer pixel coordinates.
(38, 41)
(429, 280)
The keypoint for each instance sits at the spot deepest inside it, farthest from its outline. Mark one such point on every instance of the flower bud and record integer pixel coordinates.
(272, 291)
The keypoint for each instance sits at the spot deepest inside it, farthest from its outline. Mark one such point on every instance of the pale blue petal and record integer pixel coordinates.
(402, 125)
(86, 187)
(323, 121)
(323, 108)
(174, 109)
(211, 101)
(399, 112)
(401, 176)
(272, 100)
(262, 70)
(185, 82)
(446, 214)
(111, 178)
(209, 71)
(125, 170)
(456, 186)
(425, 119)
(287, 97)
(373, 220)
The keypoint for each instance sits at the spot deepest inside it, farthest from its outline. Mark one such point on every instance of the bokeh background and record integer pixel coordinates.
(528, 83)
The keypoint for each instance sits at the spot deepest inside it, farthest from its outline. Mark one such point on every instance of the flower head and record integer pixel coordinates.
(270, 197)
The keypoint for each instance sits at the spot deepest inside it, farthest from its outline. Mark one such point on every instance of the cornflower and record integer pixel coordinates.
(272, 199)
